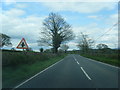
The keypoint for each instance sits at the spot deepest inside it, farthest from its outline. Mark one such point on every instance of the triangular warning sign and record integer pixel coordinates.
(22, 44)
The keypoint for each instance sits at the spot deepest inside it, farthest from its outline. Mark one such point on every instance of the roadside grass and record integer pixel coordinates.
(14, 75)
(106, 58)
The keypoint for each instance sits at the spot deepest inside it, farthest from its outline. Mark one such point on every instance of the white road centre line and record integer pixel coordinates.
(82, 69)
(77, 62)
(85, 73)
(75, 59)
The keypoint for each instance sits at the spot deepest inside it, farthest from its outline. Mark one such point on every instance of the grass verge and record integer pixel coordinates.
(102, 58)
(13, 76)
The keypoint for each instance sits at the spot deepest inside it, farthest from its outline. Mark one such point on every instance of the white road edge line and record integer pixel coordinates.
(85, 73)
(101, 62)
(36, 75)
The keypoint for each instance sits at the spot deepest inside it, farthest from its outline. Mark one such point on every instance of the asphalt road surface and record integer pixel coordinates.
(75, 71)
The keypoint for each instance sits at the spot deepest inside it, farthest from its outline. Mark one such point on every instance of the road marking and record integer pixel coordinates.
(77, 62)
(36, 75)
(83, 69)
(74, 58)
(85, 73)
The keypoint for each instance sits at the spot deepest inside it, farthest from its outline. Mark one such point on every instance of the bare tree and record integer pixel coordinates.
(4, 40)
(64, 47)
(85, 43)
(55, 31)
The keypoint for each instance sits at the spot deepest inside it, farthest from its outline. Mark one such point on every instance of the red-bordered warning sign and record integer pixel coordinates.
(22, 44)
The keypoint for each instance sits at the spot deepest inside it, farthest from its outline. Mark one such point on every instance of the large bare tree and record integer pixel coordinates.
(85, 43)
(55, 31)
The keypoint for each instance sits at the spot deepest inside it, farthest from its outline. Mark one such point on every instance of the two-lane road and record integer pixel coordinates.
(75, 71)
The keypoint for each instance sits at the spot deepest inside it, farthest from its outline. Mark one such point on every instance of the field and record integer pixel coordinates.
(19, 66)
(110, 58)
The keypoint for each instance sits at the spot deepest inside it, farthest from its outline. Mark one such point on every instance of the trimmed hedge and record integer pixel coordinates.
(18, 58)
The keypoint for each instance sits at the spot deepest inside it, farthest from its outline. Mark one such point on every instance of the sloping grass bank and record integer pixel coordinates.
(106, 58)
(12, 74)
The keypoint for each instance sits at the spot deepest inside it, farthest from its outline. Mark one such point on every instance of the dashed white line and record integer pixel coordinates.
(74, 58)
(82, 69)
(77, 62)
(85, 73)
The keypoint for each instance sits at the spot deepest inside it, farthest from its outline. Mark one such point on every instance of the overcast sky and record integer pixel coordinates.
(24, 19)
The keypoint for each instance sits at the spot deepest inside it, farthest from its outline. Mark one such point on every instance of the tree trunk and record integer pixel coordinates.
(65, 51)
(55, 50)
